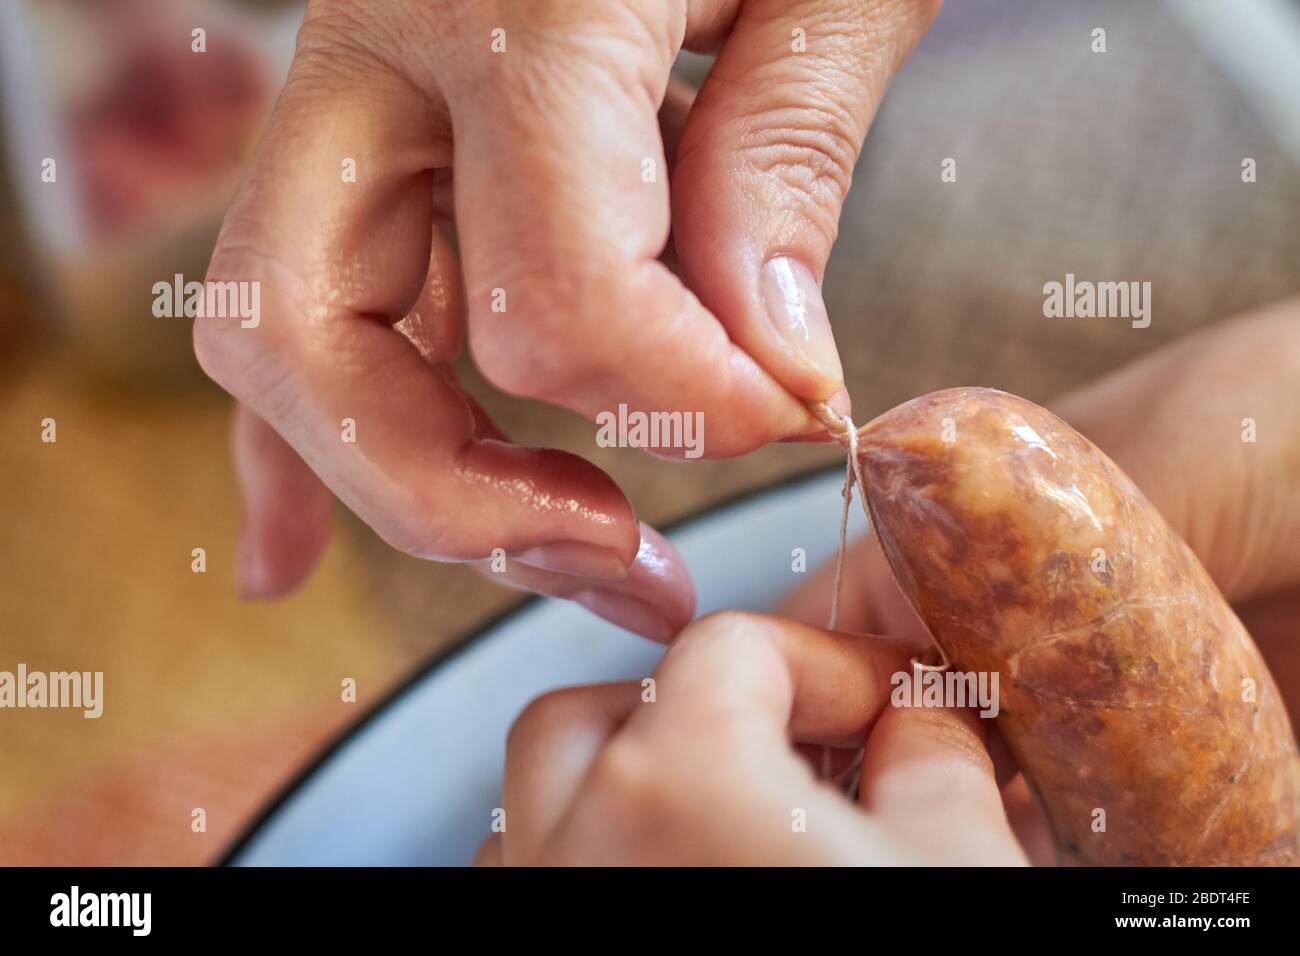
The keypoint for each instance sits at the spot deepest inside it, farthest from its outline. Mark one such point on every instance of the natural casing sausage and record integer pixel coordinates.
(1143, 716)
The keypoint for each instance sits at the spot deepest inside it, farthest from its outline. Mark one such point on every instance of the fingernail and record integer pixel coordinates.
(627, 612)
(840, 402)
(797, 314)
(576, 558)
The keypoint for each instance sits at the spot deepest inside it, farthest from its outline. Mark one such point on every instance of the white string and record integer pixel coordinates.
(841, 427)
(852, 474)
(847, 494)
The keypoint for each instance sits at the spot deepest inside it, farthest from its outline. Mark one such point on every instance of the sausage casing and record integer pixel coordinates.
(1143, 716)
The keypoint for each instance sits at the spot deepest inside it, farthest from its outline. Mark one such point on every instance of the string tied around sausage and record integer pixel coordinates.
(844, 431)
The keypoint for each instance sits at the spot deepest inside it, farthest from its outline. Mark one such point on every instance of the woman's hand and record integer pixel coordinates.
(557, 182)
(701, 765)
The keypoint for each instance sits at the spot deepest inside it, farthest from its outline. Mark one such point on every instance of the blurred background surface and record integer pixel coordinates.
(1123, 165)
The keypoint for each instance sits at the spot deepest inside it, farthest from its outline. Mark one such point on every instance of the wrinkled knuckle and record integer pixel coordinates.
(328, 37)
(623, 49)
(815, 159)
(810, 154)
(336, 44)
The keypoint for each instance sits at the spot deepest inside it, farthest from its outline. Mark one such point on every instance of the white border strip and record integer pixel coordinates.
(32, 133)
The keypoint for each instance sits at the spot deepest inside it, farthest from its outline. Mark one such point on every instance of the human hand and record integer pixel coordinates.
(557, 182)
(706, 773)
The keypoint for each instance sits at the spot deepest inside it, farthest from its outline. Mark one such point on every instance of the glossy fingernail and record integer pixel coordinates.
(818, 435)
(840, 402)
(576, 558)
(795, 311)
(627, 612)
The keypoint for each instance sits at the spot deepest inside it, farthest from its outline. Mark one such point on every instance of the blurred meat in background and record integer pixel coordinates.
(148, 110)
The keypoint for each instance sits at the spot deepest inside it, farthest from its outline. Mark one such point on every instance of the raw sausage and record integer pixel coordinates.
(1143, 716)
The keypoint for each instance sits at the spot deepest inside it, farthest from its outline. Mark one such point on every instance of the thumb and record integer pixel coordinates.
(765, 163)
